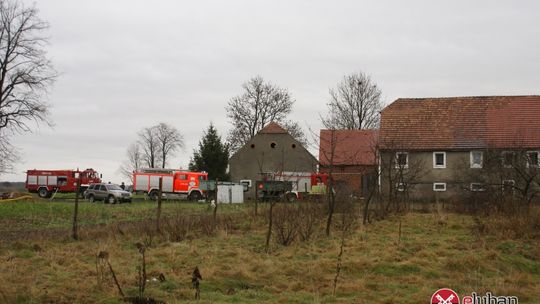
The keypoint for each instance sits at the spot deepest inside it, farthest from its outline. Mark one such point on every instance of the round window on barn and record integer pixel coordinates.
(252, 146)
(273, 145)
(293, 146)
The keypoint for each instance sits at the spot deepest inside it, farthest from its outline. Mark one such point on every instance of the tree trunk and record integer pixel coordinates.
(269, 232)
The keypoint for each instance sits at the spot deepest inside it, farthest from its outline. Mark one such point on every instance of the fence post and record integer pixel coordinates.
(158, 217)
(75, 233)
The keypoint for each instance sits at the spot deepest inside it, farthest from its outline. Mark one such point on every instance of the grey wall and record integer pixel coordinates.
(249, 162)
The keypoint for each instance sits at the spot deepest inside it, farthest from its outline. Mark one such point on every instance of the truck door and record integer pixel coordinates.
(181, 183)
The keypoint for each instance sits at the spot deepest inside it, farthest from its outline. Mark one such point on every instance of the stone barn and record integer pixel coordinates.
(272, 150)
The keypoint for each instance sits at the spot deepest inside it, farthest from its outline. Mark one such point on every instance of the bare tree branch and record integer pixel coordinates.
(133, 161)
(260, 104)
(25, 73)
(354, 104)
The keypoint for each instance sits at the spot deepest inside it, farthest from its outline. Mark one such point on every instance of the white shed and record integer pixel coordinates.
(230, 193)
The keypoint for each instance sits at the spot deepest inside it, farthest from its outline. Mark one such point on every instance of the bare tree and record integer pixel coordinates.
(8, 155)
(149, 144)
(133, 161)
(507, 180)
(25, 73)
(170, 140)
(354, 104)
(260, 104)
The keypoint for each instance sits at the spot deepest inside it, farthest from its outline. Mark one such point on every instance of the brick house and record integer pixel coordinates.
(351, 157)
(271, 150)
(448, 147)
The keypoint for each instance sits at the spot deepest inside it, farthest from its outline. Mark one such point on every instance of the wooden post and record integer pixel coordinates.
(216, 204)
(158, 217)
(75, 233)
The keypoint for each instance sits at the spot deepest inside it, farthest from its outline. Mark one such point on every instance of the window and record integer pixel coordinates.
(508, 186)
(439, 159)
(402, 160)
(508, 159)
(533, 159)
(439, 187)
(477, 159)
(182, 177)
(475, 187)
(400, 187)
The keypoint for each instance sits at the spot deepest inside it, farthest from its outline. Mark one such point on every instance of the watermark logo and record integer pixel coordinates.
(445, 296)
(489, 298)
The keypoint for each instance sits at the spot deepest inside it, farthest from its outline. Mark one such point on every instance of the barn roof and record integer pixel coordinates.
(273, 128)
(351, 147)
(461, 123)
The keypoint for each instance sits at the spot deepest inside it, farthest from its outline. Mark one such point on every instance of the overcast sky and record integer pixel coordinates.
(129, 64)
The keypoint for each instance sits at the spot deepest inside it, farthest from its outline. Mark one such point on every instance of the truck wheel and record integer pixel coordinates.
(153, 195)
(43, 192)
(291, 197)
(195, 196)
(91, 198)
(111, 199)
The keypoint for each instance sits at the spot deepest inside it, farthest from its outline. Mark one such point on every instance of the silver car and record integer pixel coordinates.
(109, 193)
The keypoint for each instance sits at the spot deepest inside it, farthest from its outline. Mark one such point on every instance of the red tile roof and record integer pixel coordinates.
(351, 147)
(273, 128)
(461, 123)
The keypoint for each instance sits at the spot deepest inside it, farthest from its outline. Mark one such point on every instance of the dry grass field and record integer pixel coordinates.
(39, 263)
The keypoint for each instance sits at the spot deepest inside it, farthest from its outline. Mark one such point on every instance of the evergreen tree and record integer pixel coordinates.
(212, 156)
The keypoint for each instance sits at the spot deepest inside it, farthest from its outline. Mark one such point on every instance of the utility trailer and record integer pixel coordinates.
(303, 185)
(273, 190)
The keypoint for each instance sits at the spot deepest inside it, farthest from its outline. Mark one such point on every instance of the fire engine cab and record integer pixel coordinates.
(183, 183)
(45, 182)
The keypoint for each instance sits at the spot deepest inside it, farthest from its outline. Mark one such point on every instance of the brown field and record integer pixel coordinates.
(39, 262)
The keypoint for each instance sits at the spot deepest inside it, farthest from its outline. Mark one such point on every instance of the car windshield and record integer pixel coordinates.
(113, 187)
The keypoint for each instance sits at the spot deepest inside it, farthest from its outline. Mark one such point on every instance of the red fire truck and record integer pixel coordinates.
(174, 181)
(45, 182)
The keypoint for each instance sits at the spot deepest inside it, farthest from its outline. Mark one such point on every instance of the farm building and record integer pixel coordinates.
(271, 150)
(451, 147)
(350, 155)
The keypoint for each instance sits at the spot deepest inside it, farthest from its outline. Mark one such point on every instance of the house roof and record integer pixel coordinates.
(461, 123)
(351, 147)
(273, 128)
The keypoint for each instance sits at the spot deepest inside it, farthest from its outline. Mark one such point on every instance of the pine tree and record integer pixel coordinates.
(212, 156)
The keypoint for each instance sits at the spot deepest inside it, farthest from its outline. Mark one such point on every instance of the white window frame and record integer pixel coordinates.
(482, 189)
(443, 166)
(504, 158)
(400, 187)
(406, 158)
(529, 165)
(477, 166)
(509, 182)
(439, 184)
